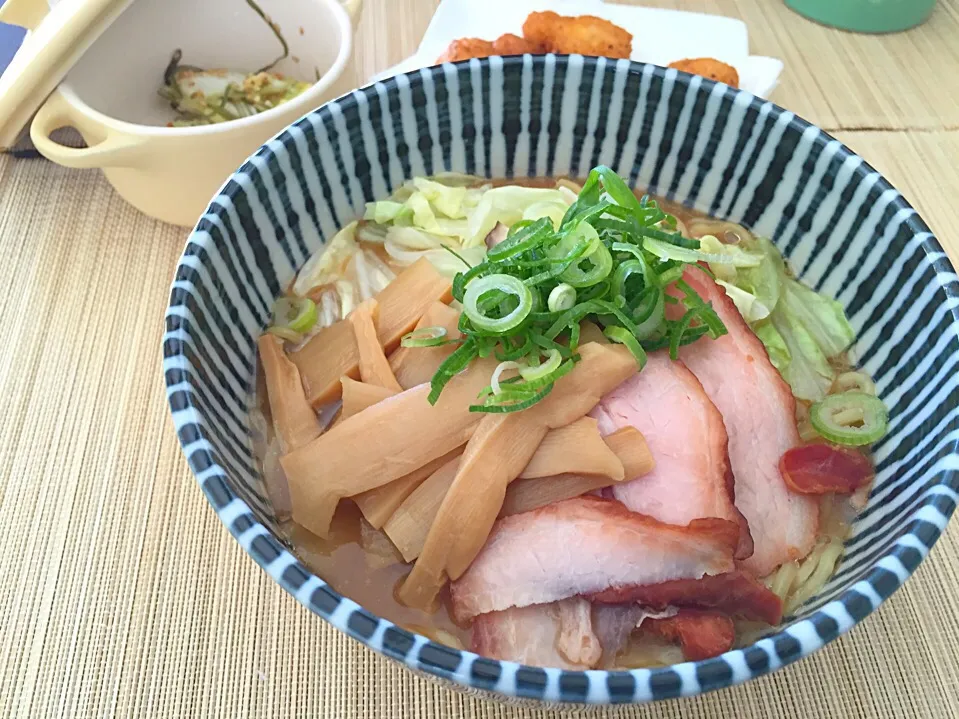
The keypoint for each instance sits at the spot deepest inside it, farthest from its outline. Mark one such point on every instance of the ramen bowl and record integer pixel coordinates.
(845, 230)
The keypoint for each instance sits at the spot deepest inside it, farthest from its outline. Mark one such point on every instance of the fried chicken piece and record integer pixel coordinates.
(542, 27)
(510, 44)
(584, 35)
(466, 48)
(709, 68)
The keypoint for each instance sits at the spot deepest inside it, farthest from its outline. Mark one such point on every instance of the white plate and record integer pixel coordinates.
(659, 36)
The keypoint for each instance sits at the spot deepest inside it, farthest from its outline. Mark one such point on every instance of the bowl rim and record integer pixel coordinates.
(302, 103)
(921, 527)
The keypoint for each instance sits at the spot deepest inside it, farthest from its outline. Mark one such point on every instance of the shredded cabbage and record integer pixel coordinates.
(506, 205)
(425, 215)
(447, 200)
(327, 264)
(775, 345)
(800, 328)
(822, 317)
(808, 372)
(387, 211)
(749, 305)
(710, 250)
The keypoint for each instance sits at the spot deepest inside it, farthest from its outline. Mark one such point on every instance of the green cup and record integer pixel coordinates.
(872, 16)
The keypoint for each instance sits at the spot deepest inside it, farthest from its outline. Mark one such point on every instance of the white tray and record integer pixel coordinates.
(659, 36)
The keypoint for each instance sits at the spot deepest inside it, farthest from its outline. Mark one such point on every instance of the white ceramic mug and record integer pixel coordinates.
(111, 98)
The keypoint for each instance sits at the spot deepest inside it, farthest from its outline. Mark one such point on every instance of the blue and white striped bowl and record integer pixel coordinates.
(844, 228)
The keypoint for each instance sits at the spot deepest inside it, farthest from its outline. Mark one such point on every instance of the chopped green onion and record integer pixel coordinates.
(618, 190)
(610, 261)
(514, 353)
(623, 337)
(464, 278)
(852, 419)
(552, 363)
(678, 330)
(672, 238)
(297, 314)
(704, 310)
(859, 381)
(498, 372)
(526, 238)
(574, 331)
(504, 283)
(672, 274)
(517, 406)
(624, 272)
(650, 312)
(601, 264)
(455, 363)
(286, 334)
(561, 297)
(425, 337)
(548, 343)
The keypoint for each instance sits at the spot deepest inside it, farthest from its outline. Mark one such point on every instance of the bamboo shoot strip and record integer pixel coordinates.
(385, 442)
(293, 418)
(577, 448)
(333, 353)
(358, 396)
(412, 366)
(496, 454)
(379, 504)
(374, 367)
(525, 495)
(410, 524)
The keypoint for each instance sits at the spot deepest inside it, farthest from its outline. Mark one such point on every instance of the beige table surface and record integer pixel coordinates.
(122, 595)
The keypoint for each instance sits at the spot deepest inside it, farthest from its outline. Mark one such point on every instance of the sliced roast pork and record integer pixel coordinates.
(735, 593)
(700, 634)
(585, 546)
(559, 634)
(685, 433)
(758, 410)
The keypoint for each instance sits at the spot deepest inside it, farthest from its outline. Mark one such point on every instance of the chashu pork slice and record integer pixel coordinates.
(685, 433)
(758, 410)
(558, 634)
(586, 546)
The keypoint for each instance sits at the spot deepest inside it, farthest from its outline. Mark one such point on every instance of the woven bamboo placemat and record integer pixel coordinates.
(122, 595)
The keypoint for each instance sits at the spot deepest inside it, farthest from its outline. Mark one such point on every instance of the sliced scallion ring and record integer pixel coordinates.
(553, 360)
(297, 314)
(601, 262)
(650, 312)
(512, 406)
(506, 284)
(561, 297)
(425, 337)
(498, 372)
(852, 419)
(624, 272)
(858, 381)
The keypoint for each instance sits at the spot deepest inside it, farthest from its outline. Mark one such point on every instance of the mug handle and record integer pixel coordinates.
(115, 149)
(352, 8)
